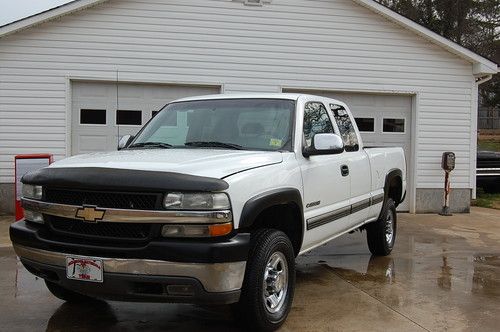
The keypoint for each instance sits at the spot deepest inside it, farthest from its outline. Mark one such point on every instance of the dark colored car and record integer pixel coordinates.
(488, 171)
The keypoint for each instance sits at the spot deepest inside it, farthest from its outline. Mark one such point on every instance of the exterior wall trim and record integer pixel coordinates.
(47, 15)
(412, 162)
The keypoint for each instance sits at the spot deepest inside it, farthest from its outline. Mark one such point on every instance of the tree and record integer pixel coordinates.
(474, 24)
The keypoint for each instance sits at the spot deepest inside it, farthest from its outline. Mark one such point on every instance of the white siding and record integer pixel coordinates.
(323, 45)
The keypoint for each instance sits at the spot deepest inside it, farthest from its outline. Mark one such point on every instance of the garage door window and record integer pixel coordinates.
(91, 116)
(366, 124)
(394, 125)
(131, 118)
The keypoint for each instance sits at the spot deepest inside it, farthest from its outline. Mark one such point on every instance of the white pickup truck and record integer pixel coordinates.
(210, 203)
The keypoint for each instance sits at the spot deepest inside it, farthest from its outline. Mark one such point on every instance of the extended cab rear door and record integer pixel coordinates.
(326, 186)
(357, 162)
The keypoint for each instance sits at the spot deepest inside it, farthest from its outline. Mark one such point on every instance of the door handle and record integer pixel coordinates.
(344, 170)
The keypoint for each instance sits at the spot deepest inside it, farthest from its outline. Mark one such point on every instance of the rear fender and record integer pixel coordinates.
(391, 176)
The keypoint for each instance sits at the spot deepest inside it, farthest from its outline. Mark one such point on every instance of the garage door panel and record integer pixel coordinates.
(92, 143)
(103, 135)
(91, 90)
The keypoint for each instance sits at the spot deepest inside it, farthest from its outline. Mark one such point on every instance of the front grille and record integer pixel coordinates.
(103, 230)
(104, 199)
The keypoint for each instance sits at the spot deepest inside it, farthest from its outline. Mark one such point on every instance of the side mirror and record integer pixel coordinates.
(324, 144)
(125, 141)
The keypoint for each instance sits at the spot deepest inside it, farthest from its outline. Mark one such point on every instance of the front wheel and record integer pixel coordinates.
(381, 234)
(268, 288)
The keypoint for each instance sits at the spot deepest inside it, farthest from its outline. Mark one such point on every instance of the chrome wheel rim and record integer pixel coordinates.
(275, 284)
(389, 227)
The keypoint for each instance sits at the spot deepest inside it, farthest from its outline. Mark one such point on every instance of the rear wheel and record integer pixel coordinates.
(66, 294)
(268, 288)
(381, 234)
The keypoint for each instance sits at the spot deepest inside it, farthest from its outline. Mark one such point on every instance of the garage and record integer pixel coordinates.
(383, 120)
(407, 85)
(103, 112)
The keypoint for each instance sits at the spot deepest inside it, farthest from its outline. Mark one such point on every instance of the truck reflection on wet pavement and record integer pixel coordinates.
(444, 273)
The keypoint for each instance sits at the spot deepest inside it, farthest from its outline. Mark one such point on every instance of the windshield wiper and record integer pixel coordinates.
(214, 144)
(151, 145)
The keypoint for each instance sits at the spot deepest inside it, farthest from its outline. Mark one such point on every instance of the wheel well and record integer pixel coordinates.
(395, 189)
(283, 217)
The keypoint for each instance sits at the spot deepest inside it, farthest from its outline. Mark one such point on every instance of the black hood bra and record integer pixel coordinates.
(117, 179)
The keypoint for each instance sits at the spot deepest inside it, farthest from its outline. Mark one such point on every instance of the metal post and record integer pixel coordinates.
(448, 165)
(446, 199)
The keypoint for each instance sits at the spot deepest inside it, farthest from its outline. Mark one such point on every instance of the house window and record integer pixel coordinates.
(126, 117)
(394, 125)
(366, 124)
(91, 116)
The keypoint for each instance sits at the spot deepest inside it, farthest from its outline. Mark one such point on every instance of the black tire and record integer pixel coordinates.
(379, 242)
(68, 295)
(253, 311)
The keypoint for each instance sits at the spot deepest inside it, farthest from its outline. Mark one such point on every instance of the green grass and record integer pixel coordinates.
(491, 201)
(488, 145)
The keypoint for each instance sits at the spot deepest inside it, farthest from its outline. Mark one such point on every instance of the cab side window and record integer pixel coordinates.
(316, 121)
(346, 128)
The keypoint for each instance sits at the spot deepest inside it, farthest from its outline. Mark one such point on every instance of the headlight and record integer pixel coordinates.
(31, 191)
(196, 201)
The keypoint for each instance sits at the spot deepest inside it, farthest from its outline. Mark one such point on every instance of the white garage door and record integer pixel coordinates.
(99, 119)
(384, 120)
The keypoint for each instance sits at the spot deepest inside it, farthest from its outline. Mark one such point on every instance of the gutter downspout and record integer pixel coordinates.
(478, 81)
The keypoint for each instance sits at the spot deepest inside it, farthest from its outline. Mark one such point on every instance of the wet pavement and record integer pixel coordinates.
(444, 274)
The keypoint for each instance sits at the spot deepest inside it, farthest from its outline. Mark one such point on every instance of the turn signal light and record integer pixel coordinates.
(220, 229)
(176, 230)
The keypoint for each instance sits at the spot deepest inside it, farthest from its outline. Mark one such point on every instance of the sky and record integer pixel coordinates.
(13, 10)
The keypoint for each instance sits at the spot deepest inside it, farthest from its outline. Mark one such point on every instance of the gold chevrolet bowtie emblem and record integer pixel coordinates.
(90, 213)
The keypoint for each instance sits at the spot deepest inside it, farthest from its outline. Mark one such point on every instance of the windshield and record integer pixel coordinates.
(249, 124)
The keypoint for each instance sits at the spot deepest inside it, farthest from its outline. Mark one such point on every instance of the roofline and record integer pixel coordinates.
(481, 65)
(46, 15)
(247, 95)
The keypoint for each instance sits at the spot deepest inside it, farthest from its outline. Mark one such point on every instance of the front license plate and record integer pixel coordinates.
(84, 268)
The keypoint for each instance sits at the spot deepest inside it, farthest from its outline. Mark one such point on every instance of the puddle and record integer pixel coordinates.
(486, 278)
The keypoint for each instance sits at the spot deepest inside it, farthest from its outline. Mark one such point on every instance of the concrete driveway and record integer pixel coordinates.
(444, 274)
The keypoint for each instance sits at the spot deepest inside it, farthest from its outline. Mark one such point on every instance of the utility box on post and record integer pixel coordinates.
(25, 163)
(448, 161)
(448, 165)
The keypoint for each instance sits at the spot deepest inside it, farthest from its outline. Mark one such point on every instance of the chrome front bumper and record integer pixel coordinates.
(214, 277)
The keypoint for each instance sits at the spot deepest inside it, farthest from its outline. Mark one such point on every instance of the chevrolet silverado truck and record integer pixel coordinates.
(210, 203)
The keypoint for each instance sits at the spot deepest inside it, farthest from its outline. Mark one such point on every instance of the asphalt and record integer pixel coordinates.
(444, 274)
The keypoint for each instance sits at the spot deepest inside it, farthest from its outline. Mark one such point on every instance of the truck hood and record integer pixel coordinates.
(213, 163)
